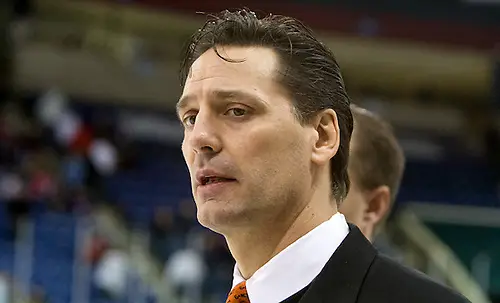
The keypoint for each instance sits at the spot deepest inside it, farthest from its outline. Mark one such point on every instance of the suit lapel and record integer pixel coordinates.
(341, 278)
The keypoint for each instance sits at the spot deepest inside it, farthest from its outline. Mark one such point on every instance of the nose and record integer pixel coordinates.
(204, 137)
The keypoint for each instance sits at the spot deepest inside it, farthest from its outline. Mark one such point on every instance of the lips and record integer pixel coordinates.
(206, 177)
(211, 184)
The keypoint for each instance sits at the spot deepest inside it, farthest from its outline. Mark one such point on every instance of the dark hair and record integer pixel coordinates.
(307, 69)
(376, 157)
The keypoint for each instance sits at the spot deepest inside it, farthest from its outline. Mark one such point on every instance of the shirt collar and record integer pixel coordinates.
(297, 265)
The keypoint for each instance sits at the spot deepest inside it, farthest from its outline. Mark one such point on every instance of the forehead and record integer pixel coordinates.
(241, 66)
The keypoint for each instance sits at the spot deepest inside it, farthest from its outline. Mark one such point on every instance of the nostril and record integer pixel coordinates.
(207, 148)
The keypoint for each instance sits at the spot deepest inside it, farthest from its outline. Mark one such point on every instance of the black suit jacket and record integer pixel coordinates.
(357, 273)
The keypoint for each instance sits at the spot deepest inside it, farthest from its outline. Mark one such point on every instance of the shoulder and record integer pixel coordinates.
(388, 281)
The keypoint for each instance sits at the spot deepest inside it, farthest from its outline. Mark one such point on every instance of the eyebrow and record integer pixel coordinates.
(220, 95)
(183, 103)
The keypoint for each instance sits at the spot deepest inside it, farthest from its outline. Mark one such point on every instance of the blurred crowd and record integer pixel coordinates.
(51, 161)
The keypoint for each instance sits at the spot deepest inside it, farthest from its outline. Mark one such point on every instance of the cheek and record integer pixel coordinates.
(276, 151)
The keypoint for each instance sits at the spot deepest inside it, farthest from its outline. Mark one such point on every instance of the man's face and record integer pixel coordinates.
(248, 156)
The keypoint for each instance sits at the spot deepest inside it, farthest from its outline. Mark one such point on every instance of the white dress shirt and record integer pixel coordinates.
(297, 265)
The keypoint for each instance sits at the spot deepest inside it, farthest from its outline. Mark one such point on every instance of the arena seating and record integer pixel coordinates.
(53, 255)
(462, 182)
(53, 252)
(161, 178)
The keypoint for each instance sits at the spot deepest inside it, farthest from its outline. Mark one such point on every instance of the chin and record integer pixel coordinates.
(219, 217)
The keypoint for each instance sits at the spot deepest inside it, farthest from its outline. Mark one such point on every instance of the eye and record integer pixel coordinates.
(236, 112)
(189, 120)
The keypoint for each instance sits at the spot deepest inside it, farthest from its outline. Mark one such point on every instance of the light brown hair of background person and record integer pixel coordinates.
(376, 167)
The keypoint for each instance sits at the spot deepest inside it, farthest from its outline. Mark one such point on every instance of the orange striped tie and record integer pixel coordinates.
(238, 294)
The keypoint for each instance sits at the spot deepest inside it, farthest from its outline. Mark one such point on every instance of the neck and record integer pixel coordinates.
(256, 245)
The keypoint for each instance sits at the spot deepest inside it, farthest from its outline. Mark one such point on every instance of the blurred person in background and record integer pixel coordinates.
(104, 158)
(74, 172)
(220, 264)
(13, 192)
(267, 126)
(103, 161)
(376, 166)
(95, 249)
(42, 168)
(185, 217)
(162, 231)
(19, 147)
(111, 273)
(70, 132)
(185, 269)
(102, 151)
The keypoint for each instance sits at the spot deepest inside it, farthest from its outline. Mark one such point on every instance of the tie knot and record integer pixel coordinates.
(238, 294)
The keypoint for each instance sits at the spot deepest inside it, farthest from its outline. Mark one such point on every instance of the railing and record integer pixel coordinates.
(426, 252)
(136, 245)
(82, 271)
(23, 261)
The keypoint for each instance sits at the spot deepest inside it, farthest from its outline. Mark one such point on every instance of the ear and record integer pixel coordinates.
(379, 202)
(327, 136)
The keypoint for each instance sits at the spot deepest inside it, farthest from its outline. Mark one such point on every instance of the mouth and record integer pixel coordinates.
(214, 180)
